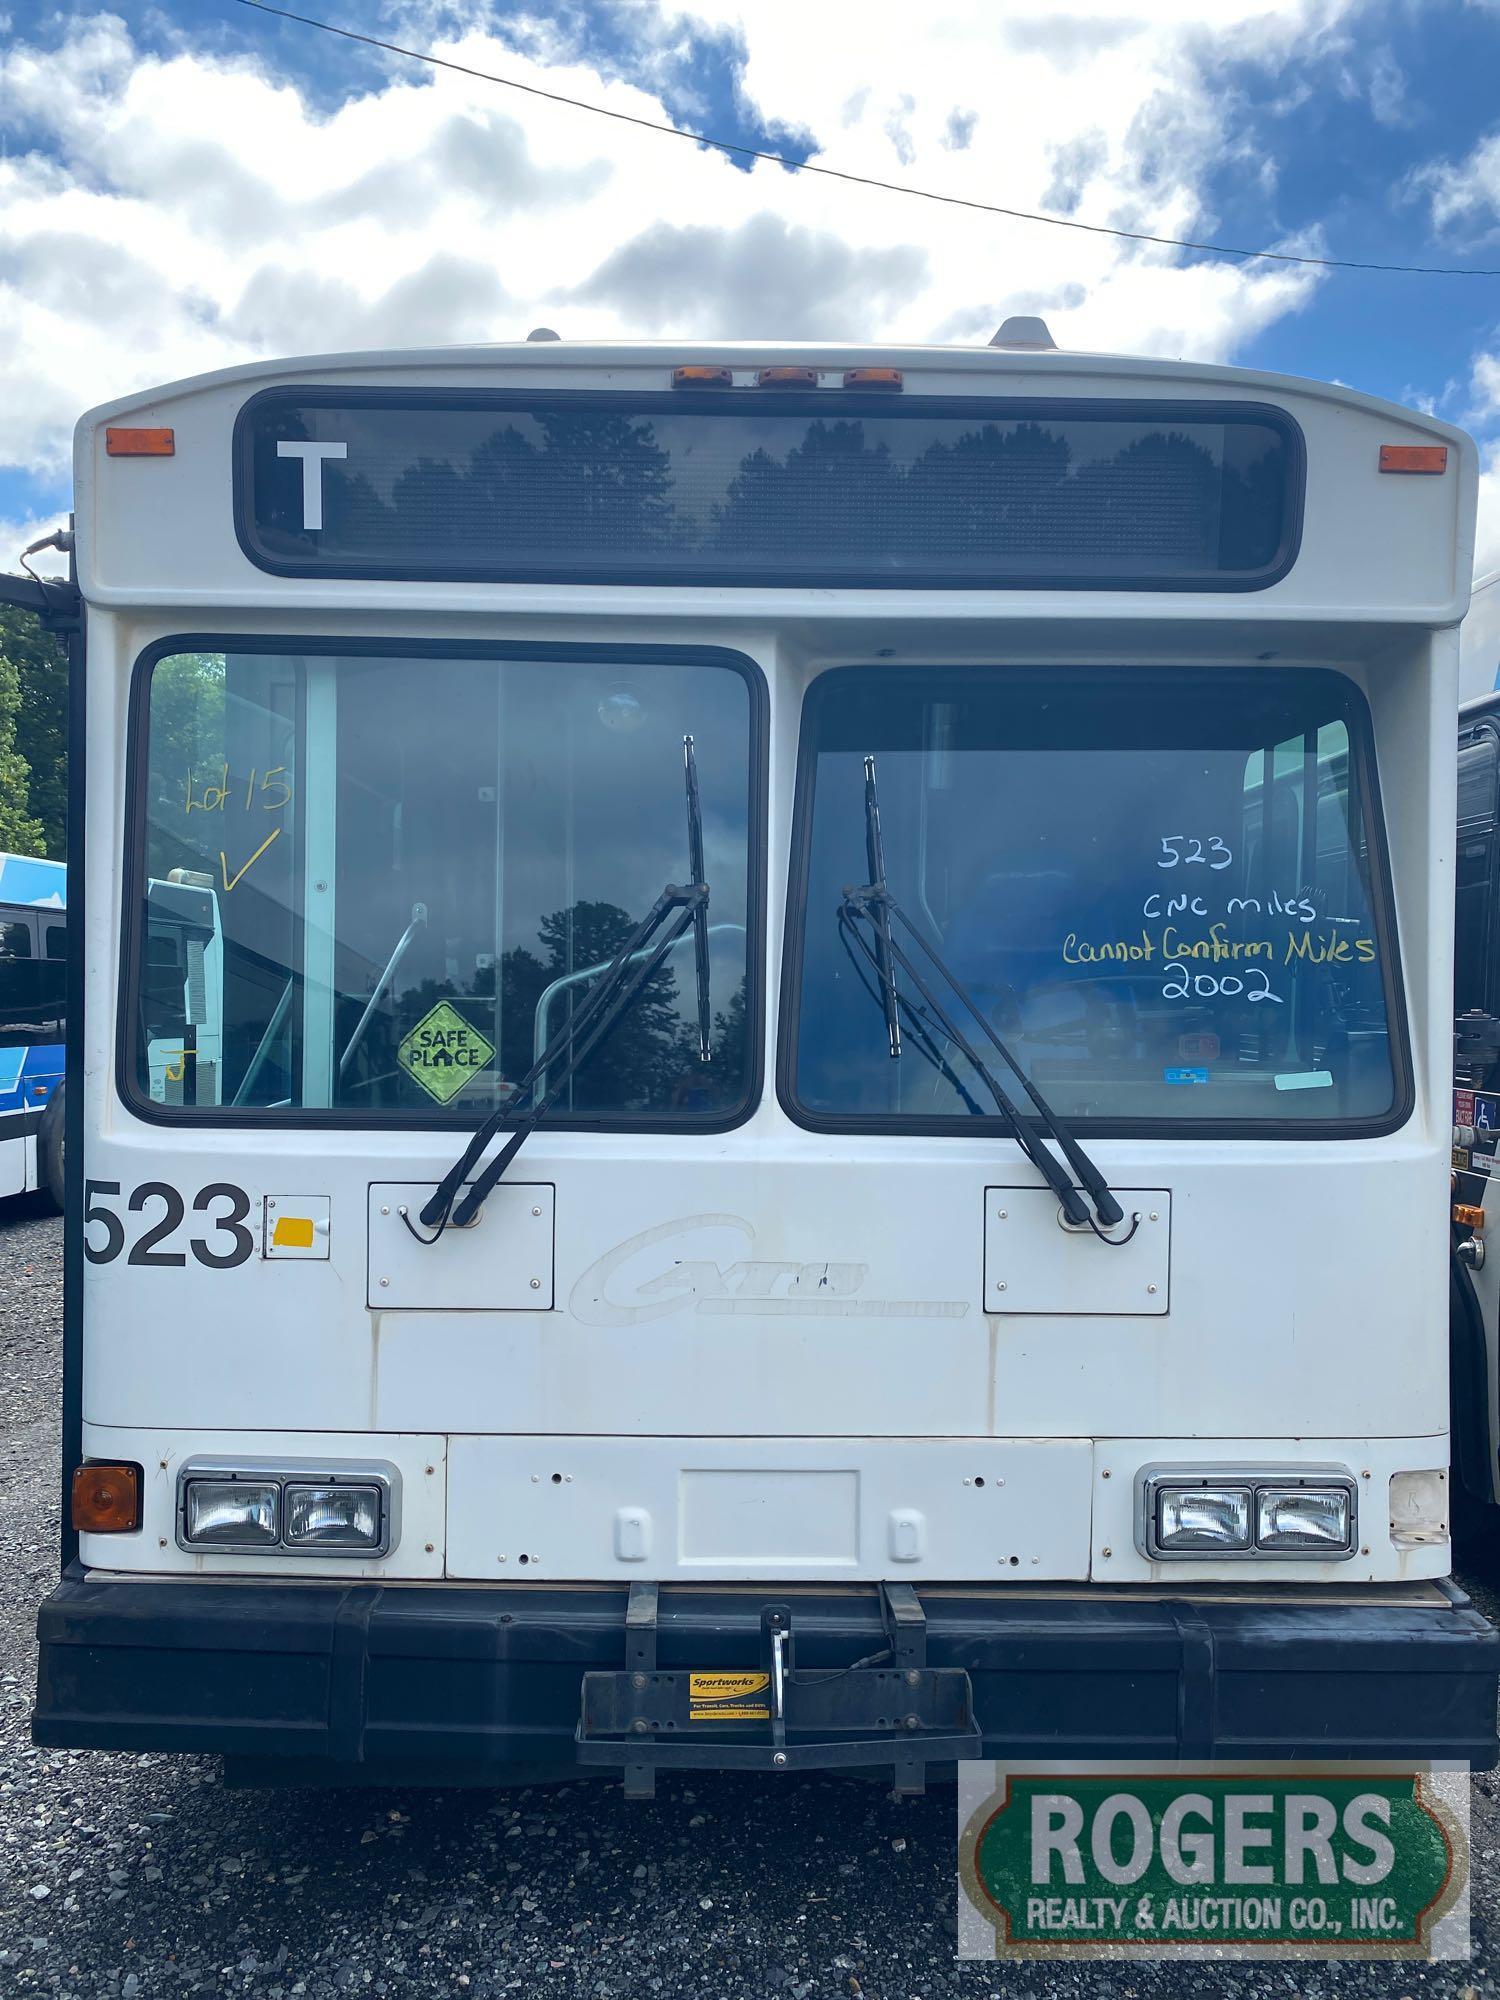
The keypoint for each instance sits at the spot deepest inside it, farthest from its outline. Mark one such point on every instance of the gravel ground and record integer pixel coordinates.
(139, 1876)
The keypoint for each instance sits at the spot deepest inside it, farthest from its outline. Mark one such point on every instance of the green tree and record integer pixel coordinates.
(33, 738)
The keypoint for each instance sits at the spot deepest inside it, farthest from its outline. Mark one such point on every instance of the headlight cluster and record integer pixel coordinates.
(1235, 1513)
(314, 1508)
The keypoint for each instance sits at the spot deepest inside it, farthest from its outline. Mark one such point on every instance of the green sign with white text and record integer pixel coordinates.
(1302, 1860)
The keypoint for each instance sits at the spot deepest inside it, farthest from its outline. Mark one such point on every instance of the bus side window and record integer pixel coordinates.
(55, 941)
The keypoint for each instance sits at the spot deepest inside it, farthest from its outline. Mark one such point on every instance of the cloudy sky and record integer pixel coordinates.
(191, 184)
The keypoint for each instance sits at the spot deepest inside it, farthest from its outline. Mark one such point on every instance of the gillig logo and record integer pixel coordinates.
(699, 1285)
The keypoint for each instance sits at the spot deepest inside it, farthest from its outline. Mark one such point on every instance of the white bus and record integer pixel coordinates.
(764, 1076)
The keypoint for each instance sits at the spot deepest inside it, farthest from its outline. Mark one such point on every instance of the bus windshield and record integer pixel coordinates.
(1160, 887)
(377, 885)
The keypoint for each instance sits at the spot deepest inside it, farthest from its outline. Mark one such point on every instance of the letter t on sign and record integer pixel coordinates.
(312, 457)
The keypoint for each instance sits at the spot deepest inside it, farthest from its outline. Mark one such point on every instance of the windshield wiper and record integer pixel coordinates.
(874, 904)
(679, 908)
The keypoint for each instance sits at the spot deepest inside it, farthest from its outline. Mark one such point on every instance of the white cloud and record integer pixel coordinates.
(164, 214)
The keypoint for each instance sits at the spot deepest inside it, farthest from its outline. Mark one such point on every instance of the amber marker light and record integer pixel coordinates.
(787, 378)
(1414, 458)
(1469, 1216)
(140, 443)
(872, 378)
(107, 1499)
(702, 378)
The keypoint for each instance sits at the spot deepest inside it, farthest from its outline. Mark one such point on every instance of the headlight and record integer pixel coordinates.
(290, 1506)
(1315, 1518)
(1208, 1518)
(1245, 1512)
(230, 1513)
(333, 1517)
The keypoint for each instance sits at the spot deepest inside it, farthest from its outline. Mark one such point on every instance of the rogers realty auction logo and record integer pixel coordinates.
(1195, 1860)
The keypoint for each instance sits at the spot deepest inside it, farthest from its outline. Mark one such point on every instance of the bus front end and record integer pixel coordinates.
(765, 1070)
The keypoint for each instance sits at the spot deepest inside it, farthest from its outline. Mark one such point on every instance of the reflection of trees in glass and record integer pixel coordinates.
(833, 495)
(535, 485)
(995, 489)
(1157, 499)
(188, 737)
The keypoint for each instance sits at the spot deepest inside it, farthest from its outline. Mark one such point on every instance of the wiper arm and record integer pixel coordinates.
(676, 910)
(877, 905)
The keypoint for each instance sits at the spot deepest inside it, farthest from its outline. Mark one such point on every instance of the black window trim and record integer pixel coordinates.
(870, 1124)
(331, 645)
(840, 403)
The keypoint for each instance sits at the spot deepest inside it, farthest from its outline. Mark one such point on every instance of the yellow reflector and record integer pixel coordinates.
(1468, 1216)
(140, 444)
(1414, 458)
(107, 1499)
(872, 378)
(292, 1232)
(702, 378)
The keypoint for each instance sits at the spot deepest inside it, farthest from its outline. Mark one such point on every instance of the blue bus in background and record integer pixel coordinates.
(33, 979)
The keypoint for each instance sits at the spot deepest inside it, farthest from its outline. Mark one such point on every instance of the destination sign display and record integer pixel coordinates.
(741, 486)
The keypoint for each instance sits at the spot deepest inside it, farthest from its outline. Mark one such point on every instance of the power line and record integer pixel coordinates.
(866, 180)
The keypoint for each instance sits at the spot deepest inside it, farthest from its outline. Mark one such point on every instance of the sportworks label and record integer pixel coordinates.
(728, 1697)
(1281, 1860)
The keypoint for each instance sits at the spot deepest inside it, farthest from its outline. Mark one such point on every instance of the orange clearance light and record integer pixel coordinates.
(140, 443)
(702, 378)
(107, 1499)
(1414, 458)
(872, 378)
(787, 378)
(1468, 1216)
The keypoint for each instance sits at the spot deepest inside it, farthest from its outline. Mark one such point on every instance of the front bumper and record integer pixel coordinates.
(437, 1683)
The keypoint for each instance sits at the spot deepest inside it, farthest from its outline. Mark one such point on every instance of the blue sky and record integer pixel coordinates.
(186, 185)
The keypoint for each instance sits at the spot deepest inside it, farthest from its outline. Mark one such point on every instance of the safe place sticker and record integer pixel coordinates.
(443, 1052)
(1135, 1860)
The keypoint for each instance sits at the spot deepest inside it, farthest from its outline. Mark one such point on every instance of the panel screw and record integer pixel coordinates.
(913, 1721)
(161, 1542)
(432, 1468)
(536, 1211)
(429, 1548)
(536, 1284)
(1103, 1552)
(913, 1677)
(535, 1478)
(1106, 1474)
(1150, 1288)
(567, 1479)
(968, 1482)
(385, 1208)
(637, 1680)
(1003, 1214)
(385, 1281)
(500, 1559)
(1364, 1552)
(778, 1756)
(320, 886)
(1153, 1216)
(1364, 1475)
(162, 1463)
(640, 1725)
(1002, 1286)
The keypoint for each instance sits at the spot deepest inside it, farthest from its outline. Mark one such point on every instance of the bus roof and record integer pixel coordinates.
(28, 880)
(561, 358)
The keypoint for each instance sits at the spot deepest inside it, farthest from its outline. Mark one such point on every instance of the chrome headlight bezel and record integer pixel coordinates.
(286, 1473)
(1252, 1480)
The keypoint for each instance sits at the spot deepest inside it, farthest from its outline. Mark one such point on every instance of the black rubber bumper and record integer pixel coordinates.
(457, 1684)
